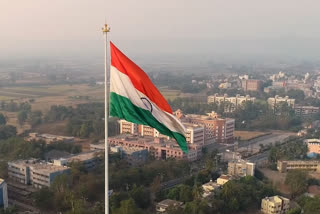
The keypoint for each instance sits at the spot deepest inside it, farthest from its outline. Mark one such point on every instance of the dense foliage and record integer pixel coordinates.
(86, 120)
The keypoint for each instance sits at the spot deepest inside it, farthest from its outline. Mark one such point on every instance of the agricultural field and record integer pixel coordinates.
(12, 120)
(44, 96)
(248, 135)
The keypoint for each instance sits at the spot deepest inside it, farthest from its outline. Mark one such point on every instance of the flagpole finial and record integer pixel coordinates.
(106, 28)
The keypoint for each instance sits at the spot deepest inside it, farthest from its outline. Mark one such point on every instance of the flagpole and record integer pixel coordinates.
(105, 31)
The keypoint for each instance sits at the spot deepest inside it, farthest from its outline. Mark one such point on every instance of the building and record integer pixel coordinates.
(128, 127)
(34, 172)
(3, 194)
(284, 166)
(251, 85)
(215, 129)
(306, 111)
(49, 138)
(235, 102)
(275, 205)
(162, 206)
(313, 146)
(194, 133)
(134, 155)
(241, 168)
(88, 159)
(275, 101)
(209, 188)
(224, 179)
(158, 147)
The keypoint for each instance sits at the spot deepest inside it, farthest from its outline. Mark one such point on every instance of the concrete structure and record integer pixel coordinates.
(34, 172)
(88, 159)
(251, 85)
(209, 188)
(3, 194)
(162, 206)
(275, 205)
(284, 166)
(49, 138)
(306, 111)
(235, 102)
(134, 155)
(275, 101)
(128, 127)
(241, 168)
(215, 129)
(194, 133)
(224, 179)
(313, 146)
(158, 147)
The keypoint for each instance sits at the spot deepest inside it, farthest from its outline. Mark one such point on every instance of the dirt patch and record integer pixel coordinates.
(277, 179)
(248, 135)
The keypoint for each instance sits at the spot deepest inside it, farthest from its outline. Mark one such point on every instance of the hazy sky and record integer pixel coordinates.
(36, 27)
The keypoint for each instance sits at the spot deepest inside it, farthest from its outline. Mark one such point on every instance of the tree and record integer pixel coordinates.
(3, 119)
(43, 199)
(294, 211)
(35, 118)
(297, 180)
(185, 193)
(22, 116)
(128, 207)
(7, 131)
(141, 196)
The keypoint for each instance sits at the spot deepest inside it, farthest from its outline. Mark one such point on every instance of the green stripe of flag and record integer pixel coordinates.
(123, 108)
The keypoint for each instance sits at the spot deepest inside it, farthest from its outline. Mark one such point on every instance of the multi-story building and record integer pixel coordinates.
(3, 194)
(194, 133)
(241, 168)
(235, 102)
(215, 129)
(284, 166)
(134, 155)
(313, 146)
(128, 127)
(275, 205)
(34, 172)
(251, 85)
(88, 159)
(275, 101)
(306, 111)
(158, 147)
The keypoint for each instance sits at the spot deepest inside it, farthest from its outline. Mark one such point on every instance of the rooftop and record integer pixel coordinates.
(82, 156)
(43, 166)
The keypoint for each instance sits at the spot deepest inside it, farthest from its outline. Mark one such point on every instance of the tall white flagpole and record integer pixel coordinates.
(105, 31)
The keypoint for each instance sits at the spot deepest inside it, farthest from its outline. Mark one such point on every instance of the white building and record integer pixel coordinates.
(241, 168)
(275, 205)
(34, 172)
(235, 102)
(275, 101)
(3, 194)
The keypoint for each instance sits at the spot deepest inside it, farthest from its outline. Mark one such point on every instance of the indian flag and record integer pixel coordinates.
(134, 98)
